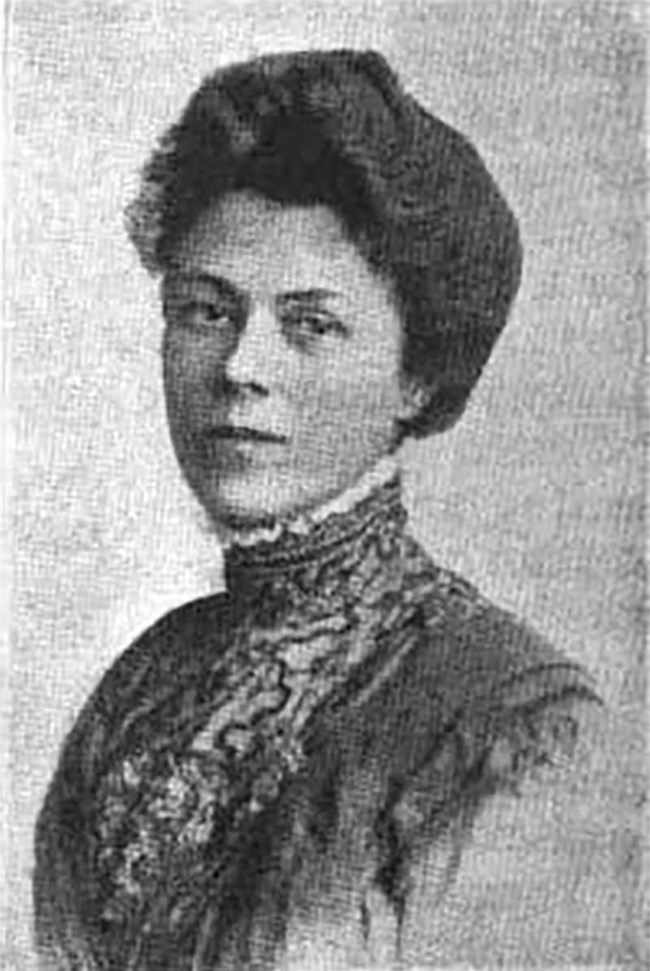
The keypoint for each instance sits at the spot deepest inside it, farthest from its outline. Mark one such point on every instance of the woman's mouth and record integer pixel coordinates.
(242, 433)
(227, 446)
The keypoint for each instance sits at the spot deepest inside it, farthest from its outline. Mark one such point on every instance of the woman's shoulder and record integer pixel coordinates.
(126, 692)
(492, 765)
(537, 880)
(502, 833)
(167, 646)
(153, 662)
(476, 645)
(462, 668)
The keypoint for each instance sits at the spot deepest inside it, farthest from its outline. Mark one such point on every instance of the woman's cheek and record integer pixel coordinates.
(189, 370)
(344, 420)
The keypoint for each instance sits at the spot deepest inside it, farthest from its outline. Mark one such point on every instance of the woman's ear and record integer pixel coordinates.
(414, 398)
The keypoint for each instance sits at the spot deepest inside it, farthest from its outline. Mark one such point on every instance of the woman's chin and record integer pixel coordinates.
(249, 501)
(247, 505)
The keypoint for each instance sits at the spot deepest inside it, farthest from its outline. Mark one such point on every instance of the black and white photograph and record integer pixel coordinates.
(327, 628)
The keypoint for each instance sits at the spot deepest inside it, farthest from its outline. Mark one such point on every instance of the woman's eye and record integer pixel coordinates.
(203, 313)
(313, 324)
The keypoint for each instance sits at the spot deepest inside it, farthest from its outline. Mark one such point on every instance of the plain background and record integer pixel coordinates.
(537, 495)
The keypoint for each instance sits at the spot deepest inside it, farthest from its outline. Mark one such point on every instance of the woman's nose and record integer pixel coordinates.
(257, 357)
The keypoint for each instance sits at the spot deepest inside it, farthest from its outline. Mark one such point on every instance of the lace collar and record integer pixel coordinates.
(318, 535)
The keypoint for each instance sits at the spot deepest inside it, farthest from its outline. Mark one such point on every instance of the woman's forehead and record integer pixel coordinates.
(256, 243)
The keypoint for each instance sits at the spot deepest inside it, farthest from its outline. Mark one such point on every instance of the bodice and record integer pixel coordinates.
(215, 754)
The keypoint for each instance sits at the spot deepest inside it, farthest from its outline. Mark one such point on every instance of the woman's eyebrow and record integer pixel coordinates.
(215, 282)
(313, 295)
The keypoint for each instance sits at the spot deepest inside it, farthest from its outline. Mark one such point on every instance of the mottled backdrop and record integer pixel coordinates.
(537, 495)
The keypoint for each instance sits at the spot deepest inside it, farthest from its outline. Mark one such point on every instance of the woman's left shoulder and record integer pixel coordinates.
(540, 881)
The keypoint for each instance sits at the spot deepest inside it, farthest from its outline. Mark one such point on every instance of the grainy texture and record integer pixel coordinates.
(537, 495)
(293, 769)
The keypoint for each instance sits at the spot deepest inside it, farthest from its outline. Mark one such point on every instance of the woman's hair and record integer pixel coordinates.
(336, 128)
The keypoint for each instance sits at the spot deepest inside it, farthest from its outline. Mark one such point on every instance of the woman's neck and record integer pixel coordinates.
(322, 548)
(301, 523)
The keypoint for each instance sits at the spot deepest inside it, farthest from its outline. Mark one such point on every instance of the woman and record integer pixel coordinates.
(349, 758)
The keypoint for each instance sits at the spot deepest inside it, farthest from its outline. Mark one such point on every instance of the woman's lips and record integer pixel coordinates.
(227, 444)
(244, 434)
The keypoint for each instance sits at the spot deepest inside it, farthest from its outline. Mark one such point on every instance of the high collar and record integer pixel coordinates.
(305, 550)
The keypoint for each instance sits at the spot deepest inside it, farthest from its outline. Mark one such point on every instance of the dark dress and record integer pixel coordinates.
(197, 809)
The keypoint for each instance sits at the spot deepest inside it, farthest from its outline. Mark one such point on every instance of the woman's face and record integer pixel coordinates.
(281, 354)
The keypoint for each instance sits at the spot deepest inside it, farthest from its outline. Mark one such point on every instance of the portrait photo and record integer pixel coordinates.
(327, 422)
